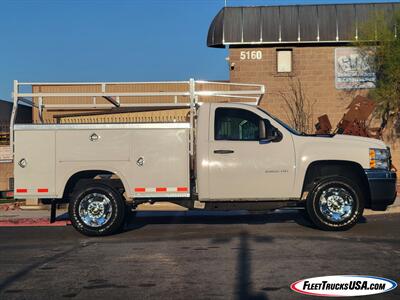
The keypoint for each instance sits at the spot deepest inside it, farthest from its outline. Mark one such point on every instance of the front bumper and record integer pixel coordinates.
(382, 187)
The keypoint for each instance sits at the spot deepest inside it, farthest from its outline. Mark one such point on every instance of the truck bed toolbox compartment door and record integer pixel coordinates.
(34, 164)
(93, 145)
(161, 163)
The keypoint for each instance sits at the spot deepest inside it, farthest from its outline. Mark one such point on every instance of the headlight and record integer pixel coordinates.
(379, 158)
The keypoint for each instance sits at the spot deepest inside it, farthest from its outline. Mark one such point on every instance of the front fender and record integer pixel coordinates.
(315, 149)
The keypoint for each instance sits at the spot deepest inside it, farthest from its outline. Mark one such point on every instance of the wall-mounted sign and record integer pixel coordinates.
(353, 69)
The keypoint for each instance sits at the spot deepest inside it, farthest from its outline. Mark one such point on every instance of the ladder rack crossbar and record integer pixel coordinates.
(108, 94)
(144, 94)
(101, 83)
(109, 106)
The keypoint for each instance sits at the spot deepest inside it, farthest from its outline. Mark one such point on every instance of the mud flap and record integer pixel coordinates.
(53, 210)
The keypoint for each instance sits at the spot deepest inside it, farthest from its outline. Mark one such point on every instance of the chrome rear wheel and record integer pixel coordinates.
(95, 209)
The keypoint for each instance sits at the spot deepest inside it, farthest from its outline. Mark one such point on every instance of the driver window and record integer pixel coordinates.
(235, 124)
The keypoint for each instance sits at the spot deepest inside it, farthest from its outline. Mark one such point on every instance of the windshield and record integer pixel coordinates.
(294, 131)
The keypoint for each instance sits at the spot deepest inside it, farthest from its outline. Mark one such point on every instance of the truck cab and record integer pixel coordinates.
(245, 154)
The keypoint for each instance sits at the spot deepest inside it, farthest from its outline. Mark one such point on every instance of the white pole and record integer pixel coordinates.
(13, 114)
(192, 99)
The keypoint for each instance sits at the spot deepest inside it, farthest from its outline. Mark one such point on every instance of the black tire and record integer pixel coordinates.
(115, 216)
(304, 214)
(315, 204)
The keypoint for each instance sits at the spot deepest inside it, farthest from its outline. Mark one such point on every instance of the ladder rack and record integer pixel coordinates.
(104, 97)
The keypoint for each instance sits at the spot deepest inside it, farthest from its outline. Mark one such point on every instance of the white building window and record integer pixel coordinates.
(284, 60)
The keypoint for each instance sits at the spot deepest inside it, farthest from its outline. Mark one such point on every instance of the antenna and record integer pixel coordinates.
(226, 2)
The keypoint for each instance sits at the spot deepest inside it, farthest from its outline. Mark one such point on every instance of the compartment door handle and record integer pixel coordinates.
(223, 151)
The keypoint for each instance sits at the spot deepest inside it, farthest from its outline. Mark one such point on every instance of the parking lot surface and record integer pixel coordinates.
(194, 256)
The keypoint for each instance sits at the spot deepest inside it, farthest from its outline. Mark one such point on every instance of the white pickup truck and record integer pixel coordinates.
(227, 156)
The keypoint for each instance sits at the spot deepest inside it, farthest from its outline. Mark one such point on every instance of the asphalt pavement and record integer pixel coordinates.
(194, 256)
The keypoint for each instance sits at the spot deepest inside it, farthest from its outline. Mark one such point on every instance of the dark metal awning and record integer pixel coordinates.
(335, 23)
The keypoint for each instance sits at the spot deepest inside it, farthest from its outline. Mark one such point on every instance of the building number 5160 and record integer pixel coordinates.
(253, 55)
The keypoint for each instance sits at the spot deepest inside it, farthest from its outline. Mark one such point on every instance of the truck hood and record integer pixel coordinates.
(350, 138)
(338, 147)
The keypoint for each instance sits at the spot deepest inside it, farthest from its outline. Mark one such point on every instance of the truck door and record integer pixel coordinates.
(243, 167)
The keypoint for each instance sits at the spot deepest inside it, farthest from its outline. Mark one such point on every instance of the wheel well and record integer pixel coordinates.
(104, 177)
(351, 170)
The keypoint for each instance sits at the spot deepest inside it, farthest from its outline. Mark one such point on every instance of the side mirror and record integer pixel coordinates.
(270, 134)
(268, 140)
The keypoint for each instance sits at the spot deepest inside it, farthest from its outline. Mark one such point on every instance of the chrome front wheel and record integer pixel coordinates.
(335, 203)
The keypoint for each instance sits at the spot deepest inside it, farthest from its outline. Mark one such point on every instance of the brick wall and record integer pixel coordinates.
(314, 67)
(6, 168)
(5, 153)
(6, 171)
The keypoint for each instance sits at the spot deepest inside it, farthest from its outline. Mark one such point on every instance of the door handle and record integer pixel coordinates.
(223, 151)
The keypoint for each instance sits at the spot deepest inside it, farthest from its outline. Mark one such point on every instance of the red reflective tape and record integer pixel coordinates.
(161, 189)
(140, 190)
(22, 190)
(43, 190)
(181, 189)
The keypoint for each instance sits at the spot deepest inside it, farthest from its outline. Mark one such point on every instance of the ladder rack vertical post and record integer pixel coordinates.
(13, 114)
(192, 99)
(40, 106)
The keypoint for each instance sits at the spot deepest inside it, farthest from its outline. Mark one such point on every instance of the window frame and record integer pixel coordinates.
(291, 60)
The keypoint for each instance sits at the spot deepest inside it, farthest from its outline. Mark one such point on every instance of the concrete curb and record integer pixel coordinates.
(10, 206)
(391, 210)
(30, 222)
